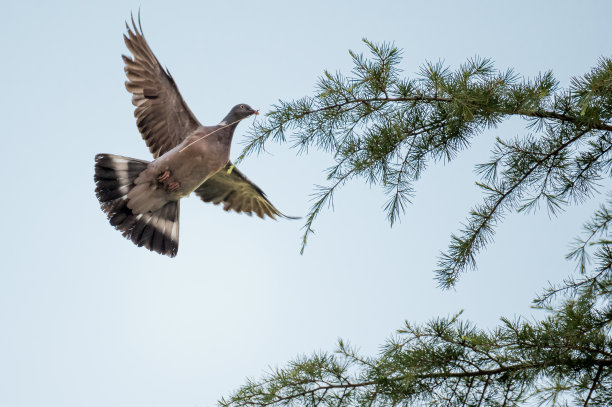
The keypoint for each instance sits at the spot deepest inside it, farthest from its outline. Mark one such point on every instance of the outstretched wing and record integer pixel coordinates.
(162, 116)
(237, 193)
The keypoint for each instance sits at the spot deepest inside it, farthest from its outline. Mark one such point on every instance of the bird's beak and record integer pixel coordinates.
(255, 112)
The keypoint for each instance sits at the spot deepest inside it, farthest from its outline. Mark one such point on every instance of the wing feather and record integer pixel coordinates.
(162, 116)
(237, 193)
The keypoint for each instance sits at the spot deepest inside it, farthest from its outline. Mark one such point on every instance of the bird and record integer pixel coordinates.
(142, 198)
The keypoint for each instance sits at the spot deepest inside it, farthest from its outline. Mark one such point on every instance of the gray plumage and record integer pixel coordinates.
(141, 198)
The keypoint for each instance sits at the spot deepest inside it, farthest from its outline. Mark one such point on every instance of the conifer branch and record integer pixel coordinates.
(386, 129)
(540, 114)
(595, 380)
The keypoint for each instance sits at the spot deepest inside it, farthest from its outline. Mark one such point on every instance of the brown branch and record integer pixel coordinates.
(599, 370)
(325, 388)
(484, 390)
(426, 99)
(507, 393)
(539, 113)
(373, 398)
(502, 197)
(601, 363)
(467, 393)
(573, 285)
(503, 369)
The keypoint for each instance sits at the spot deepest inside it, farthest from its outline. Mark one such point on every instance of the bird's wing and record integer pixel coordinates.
(237, 192)
(162, 116)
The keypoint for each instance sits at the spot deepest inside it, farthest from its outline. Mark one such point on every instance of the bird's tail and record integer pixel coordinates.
(157, 231)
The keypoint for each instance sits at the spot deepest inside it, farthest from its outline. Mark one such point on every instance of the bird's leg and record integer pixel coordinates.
(167, 182)
(164, 176)
(173, 186)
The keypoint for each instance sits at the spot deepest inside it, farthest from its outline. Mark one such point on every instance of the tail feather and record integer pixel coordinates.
(158, 230)
(164, 226)
(158, 238)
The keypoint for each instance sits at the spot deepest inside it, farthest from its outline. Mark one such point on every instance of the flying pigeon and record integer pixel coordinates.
(141, 198)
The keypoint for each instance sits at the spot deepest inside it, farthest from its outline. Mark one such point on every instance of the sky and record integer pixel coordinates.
(87, 318)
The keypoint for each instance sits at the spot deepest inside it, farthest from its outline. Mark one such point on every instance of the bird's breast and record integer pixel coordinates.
(198, 162)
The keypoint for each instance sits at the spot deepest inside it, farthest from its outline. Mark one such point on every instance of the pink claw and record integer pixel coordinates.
(173, 186)
(164, 176)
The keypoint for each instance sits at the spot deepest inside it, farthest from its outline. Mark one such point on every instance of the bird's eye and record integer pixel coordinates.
(242, 106)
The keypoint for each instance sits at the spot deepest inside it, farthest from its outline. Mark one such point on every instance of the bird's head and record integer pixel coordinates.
(241, 111)
(238, 113)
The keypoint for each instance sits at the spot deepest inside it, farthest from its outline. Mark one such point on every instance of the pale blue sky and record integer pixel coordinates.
(88, 319)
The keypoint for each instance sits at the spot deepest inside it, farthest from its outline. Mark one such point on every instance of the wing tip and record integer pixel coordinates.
(134, 30)
(134, 23)
(291, 217)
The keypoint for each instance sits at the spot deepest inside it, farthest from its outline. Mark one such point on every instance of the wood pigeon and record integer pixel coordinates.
(141, 198)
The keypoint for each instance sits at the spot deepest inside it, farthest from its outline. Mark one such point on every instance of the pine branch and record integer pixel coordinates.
(462, 250)
(325, 195)
(539, 113)
(399, 372)
(595, 380)
(385, 129)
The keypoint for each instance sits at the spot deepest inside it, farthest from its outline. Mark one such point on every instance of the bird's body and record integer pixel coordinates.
(141, 198)
(201, 155)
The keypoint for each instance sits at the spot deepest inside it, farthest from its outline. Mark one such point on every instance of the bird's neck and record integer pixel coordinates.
(227, 133)
(230, 120)
(229, 124)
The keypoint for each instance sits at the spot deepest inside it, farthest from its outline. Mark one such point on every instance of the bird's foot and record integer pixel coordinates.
(163, 176)
(173, 186)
